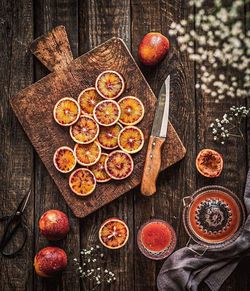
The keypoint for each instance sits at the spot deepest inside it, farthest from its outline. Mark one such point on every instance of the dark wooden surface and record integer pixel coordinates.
(36, 103)
(89, 23)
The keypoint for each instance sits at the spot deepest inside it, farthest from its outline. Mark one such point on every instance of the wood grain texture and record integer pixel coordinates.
(36, 103)
(16, 154)
(178, 180)
(53, 49)
(235, 163)
(49, 14)
(99, 21)
(152, 165)
(88, 24)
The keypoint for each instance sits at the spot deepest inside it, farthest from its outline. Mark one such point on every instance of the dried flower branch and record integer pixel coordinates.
(220, 46)
(89, 268)
(229, 125)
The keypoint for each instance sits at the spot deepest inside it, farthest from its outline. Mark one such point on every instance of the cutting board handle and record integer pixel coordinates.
(53, 49)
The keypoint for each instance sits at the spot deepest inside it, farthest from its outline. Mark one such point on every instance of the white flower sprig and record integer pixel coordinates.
(229, 125)
(89, 268)
(220, 46)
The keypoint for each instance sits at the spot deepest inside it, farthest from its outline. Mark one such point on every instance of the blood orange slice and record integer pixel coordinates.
(64, 159)
(113, 233)
(107, 112)
(131, 139)
(108, 136)
(132, 110)
(110, 84)
(119, 165)
(82, 182)
(85, 130)
(66, 111)
(87, 154)
(88, 99)
(99, 171)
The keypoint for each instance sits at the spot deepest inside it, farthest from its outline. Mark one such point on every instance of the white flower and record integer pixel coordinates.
(211, 18)
(183, 22)
(202, 40)
(172, 32)
(173, 25)
(222, 15)
(222, 77)
(183, 47)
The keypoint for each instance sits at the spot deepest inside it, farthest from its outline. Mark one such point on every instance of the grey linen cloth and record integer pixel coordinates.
(184, 270)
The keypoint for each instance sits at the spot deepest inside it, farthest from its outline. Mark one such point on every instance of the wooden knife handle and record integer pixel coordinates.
(152, 165)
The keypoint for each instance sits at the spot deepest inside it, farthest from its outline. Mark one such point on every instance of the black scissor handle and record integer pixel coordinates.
(13, 223)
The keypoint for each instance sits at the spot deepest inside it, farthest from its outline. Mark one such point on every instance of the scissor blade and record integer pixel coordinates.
(24, 202)
(160, 124)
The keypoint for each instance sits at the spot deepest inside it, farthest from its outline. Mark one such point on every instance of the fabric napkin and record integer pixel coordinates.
(184, 270)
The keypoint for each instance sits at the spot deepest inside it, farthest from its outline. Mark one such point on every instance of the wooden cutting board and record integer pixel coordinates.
(34, 105)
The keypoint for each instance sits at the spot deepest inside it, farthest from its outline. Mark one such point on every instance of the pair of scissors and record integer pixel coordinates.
(13, 223)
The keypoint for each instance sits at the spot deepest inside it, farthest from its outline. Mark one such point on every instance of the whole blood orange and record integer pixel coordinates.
(109, 84)
(132, 110)
(85, 130)
(88, 99)
(87, 154)
(113, 233)
(119, 165)
(99, 171)
(66, 111)
(153, 48)
(82, 182)
(50, 261)
(64, 159)
(209, 163)
(131, 139)
(107, 112)
(108, 136)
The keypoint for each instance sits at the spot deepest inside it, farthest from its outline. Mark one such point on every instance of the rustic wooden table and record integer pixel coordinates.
(89, 23)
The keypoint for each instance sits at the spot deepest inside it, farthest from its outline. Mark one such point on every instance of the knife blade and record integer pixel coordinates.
(157, 138)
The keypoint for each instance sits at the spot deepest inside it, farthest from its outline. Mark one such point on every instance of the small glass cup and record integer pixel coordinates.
(168, 248)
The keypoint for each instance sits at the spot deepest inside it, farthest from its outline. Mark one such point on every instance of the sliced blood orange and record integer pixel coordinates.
(132, 110)
(64, 159)
(131, 139)
(99, 171)
(85, 130)
(66, 111)
(88, 99)
(108, 136)
(209, 163)
(82, 182)
(110, 84)
(87, 154)
(107, 112)
(113, 233)
(119, 165)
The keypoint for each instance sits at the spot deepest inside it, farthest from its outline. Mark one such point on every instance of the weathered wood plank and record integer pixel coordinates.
(172, 186)
(16, 157)
(235, 162)
(49, 14)
(100, 20)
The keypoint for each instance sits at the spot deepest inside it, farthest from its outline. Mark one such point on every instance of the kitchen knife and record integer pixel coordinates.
(158, 136)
